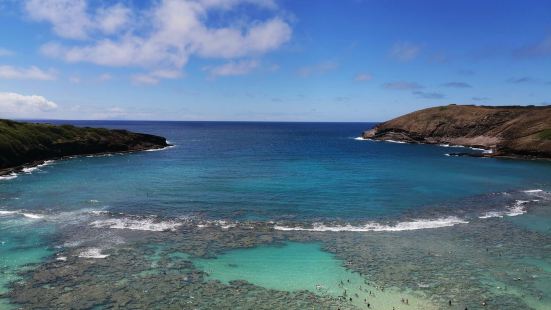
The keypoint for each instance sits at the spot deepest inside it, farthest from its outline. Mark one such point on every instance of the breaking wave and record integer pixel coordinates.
(136, 224)
(92, 253)
(33, 216)
(373, 226)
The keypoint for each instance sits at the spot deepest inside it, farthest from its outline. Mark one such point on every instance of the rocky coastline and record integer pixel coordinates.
(503, 131)
(24, 145)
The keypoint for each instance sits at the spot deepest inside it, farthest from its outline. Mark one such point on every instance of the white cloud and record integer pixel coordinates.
(68, 17)
(17, 105)
(162, 37)
(31, 73)
(232, 68)
(144, 79)
(5, 52)
(153, 77)
(405, 51)
(363, 77)
(111, 19)
(74, 79)
(73, 20)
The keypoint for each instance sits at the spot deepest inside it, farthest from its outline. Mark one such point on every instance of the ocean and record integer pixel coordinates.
(276, 215)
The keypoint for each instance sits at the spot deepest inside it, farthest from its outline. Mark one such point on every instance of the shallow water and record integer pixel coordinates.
(263, 202)
(304, 266)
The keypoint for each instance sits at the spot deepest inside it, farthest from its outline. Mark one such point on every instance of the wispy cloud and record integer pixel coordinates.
(519, 80)
(405, 51)
(439, 58)
(363, 77)
(154, 77)
(232, 68)
(5, 52)
(71, 18)
(74, 79)
(539, 49)
(30, 73)
(429, 95)
(173, 31)
(480, 98)
(105, 77)
(457, 85)
(402, 85)
(317, 69)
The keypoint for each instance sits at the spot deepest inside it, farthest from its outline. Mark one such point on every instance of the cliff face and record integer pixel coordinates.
(26, 143)
(508, 131)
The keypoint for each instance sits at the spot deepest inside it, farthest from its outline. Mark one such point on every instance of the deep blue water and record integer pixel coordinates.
(250, 170)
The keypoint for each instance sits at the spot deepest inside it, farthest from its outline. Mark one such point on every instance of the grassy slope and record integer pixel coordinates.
(509, 130)
(22, 143)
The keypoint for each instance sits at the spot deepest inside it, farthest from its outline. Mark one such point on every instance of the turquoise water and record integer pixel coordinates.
(309, 186)
(303, 266)
(23, 243)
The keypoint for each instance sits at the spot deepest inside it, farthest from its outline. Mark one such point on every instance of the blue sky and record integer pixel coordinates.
(268, 60)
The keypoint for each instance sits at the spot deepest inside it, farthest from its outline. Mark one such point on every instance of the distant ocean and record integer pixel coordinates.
(301, 182)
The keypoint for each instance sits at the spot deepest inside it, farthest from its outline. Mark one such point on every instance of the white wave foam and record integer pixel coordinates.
(29, 170)
(452, 145)
(32, 215)
(401, 226)
(8, 177)
(533, 191)
(360, 139)
(485, 151)
(395, 141)
(160, 149)
(225, 225)
(99, 212)
(135, 224)
(491, 214)
(220, 223)
(517, 208)
(19, 213)
(5, 213)
(92, 253)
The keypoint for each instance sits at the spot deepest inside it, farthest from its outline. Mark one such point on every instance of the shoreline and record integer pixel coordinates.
(18, 169)
(486, 152)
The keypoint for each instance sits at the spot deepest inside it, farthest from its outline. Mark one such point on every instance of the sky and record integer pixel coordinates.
(269, 60)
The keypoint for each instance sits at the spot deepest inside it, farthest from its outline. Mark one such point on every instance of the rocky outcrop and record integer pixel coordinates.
(517, 131)
(28, 143)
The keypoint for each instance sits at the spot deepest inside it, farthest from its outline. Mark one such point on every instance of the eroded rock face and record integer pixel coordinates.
(508, 131)
(28, 143)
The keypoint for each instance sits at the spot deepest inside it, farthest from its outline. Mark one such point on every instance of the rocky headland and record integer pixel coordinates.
(27, 144)
(507, 131)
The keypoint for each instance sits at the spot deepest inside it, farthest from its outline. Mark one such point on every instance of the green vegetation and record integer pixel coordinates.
(545, 134)
(17, 136)
(22, 143)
